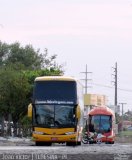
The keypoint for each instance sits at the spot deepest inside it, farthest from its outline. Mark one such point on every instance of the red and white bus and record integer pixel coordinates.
(101, 124)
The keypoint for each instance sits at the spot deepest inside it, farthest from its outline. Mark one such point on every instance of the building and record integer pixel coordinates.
(92, 100)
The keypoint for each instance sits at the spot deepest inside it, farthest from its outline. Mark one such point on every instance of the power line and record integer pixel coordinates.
(111, 87)
(127, 90)
(102, 85)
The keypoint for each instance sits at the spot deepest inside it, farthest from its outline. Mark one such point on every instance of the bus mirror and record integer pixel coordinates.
(30, 110)
(78, 112)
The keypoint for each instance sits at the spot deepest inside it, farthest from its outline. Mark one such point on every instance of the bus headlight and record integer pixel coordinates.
(111, 136)
(36, 132)
(103, 136)
(69, 133)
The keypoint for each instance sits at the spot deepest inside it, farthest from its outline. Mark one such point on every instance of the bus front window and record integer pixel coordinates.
(102, 123)
(54, 115)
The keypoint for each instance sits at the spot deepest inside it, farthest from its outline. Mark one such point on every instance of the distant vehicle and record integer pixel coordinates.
(100, 125)
(129, 128)
(57, 110)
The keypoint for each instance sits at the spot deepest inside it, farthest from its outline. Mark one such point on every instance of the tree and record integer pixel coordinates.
(14, 89)
(19, 67)
(3, 52)
(128, 115)
(26, 57)
(118, 118)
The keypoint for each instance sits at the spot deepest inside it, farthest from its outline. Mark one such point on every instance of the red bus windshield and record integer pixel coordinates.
(101, 123)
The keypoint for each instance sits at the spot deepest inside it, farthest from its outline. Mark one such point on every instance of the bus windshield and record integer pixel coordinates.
(54, 115)
(55, 92)
(101, 123)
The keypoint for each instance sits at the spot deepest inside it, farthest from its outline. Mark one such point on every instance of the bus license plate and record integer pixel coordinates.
(54, 139)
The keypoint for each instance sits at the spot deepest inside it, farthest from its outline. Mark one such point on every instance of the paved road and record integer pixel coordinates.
(62, 152)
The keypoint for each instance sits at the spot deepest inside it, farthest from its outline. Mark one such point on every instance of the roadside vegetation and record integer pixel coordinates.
(126, 133)
(19, 66)
(124, 124)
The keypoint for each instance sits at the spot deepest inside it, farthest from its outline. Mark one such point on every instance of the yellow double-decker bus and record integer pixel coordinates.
(57, 110)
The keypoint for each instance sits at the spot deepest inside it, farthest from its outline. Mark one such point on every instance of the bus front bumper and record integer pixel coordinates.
(54, 138)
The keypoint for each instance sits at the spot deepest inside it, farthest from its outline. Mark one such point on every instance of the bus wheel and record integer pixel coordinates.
(71, 143)
(78, 143)
(43, 143)
(112, 142)
(39, 143)
(47, 143)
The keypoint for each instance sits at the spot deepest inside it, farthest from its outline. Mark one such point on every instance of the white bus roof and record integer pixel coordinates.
(62, 78)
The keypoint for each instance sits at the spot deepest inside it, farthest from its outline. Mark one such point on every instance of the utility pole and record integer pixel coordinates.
(122, 107)
(86, 108)
(115, 83)
(86, 79)
(122, 104)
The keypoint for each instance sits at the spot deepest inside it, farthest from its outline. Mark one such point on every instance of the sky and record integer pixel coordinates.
(96, 33)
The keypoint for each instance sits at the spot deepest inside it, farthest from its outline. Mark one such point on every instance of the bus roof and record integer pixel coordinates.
(52, 78)
(101, 110)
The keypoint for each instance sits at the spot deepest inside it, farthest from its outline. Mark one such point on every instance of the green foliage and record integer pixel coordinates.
(19, 67)
(31, 75)
(128, 116)
(126, 133)
(26, 58)
(3, 51)
(26, 126)
(26, 121)
(14, 90)
(117, 117)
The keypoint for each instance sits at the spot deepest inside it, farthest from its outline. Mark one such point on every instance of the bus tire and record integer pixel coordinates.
(47, 143)
(38, 143)
(43, 143)
(78, 143)
(71, 143)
